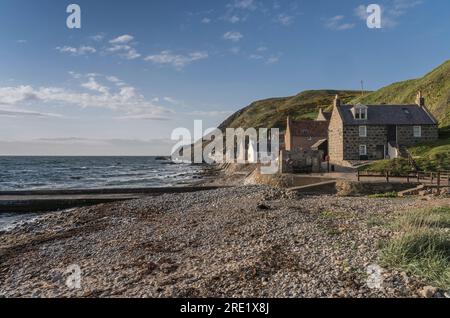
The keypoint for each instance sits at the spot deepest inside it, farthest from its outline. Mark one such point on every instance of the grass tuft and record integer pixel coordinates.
(421, 246)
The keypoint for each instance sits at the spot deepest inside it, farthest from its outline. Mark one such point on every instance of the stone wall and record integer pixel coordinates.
(335, 140)
(405, 135)
(376, 136)
(303, 143)
(294, 160)
(354, 188)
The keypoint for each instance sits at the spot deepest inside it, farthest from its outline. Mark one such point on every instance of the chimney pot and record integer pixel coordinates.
(420, 100)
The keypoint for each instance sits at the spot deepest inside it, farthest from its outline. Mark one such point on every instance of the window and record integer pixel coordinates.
(362, 131)
(360, 112)
(417, 131)
(362, 150)
(363, 112)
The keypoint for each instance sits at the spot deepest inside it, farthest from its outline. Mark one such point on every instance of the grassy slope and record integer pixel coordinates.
(272, 112)
(429, 157)
(435, 86)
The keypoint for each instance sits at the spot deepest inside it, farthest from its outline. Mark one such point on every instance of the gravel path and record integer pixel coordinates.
(235, 242)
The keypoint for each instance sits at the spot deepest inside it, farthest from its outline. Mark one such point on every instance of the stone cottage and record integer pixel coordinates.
(304, 135)
(373, 132)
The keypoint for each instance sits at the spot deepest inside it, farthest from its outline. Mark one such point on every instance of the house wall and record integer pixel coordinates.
(405, 135)
(335, 137)
(288, 139)
(376, 136)
(303, 143)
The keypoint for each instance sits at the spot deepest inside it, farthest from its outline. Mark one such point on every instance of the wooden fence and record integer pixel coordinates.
(438, 178)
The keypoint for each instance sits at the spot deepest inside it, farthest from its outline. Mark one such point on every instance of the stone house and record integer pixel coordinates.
(373, 132)
(305, 135)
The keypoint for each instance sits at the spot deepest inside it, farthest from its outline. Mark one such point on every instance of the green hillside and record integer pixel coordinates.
(435, 87)
(272, 112)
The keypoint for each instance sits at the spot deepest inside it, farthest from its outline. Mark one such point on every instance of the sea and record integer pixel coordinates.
(46, 173)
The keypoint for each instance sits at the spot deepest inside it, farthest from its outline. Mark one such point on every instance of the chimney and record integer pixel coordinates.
(288, 135)
(337, 101)
(420, 100)
(321, 116)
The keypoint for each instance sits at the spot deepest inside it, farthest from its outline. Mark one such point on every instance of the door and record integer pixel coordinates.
(379, 152)
(392, 133)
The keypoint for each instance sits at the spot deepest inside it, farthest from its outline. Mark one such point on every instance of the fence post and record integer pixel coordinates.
(432, 177)
(418, 176)
(438, 183)
(387, 176)
(357, 174)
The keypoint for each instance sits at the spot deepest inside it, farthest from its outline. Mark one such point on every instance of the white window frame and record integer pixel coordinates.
(364, 153)
(364, 135)
(417, 131)
(362, 111)
(359, 111)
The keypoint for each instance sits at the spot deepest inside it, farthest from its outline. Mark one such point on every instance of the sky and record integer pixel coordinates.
(136, 69)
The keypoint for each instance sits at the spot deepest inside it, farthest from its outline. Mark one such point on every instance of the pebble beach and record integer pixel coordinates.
(244, 241)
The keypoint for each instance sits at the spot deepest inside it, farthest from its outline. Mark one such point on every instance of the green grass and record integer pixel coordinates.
(384, 195)
(273, 112)
(428, 157)
(421, 246)
(435, 87)
(398, 166)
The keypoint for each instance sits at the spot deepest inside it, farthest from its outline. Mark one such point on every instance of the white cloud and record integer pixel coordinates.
(234, 19)
(131, 54)
(272, 60)
(261, 49)
(115, 80)
(75, 75)
(233, 36)
(390, 13)
(176, 60)
(124, 51)
(97, 37)
(172, 100)
(206, 20)
(284, 19)
(337, 23)
(256, 57)
(244, 4)
(93, 85)
(21, 41)
(122, 39)
(124, 99)
(82, 50)
(5, 112)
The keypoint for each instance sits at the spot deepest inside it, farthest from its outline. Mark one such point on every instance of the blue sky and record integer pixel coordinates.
(138, 69)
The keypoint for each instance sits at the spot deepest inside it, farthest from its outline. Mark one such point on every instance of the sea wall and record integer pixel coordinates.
(355, 188)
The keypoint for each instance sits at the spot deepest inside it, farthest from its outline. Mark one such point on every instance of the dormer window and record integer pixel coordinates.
(360, 112)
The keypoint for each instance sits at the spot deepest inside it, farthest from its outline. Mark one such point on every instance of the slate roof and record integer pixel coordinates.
(327, 115)
(388, 115)
(318, 143)
(310, 128)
